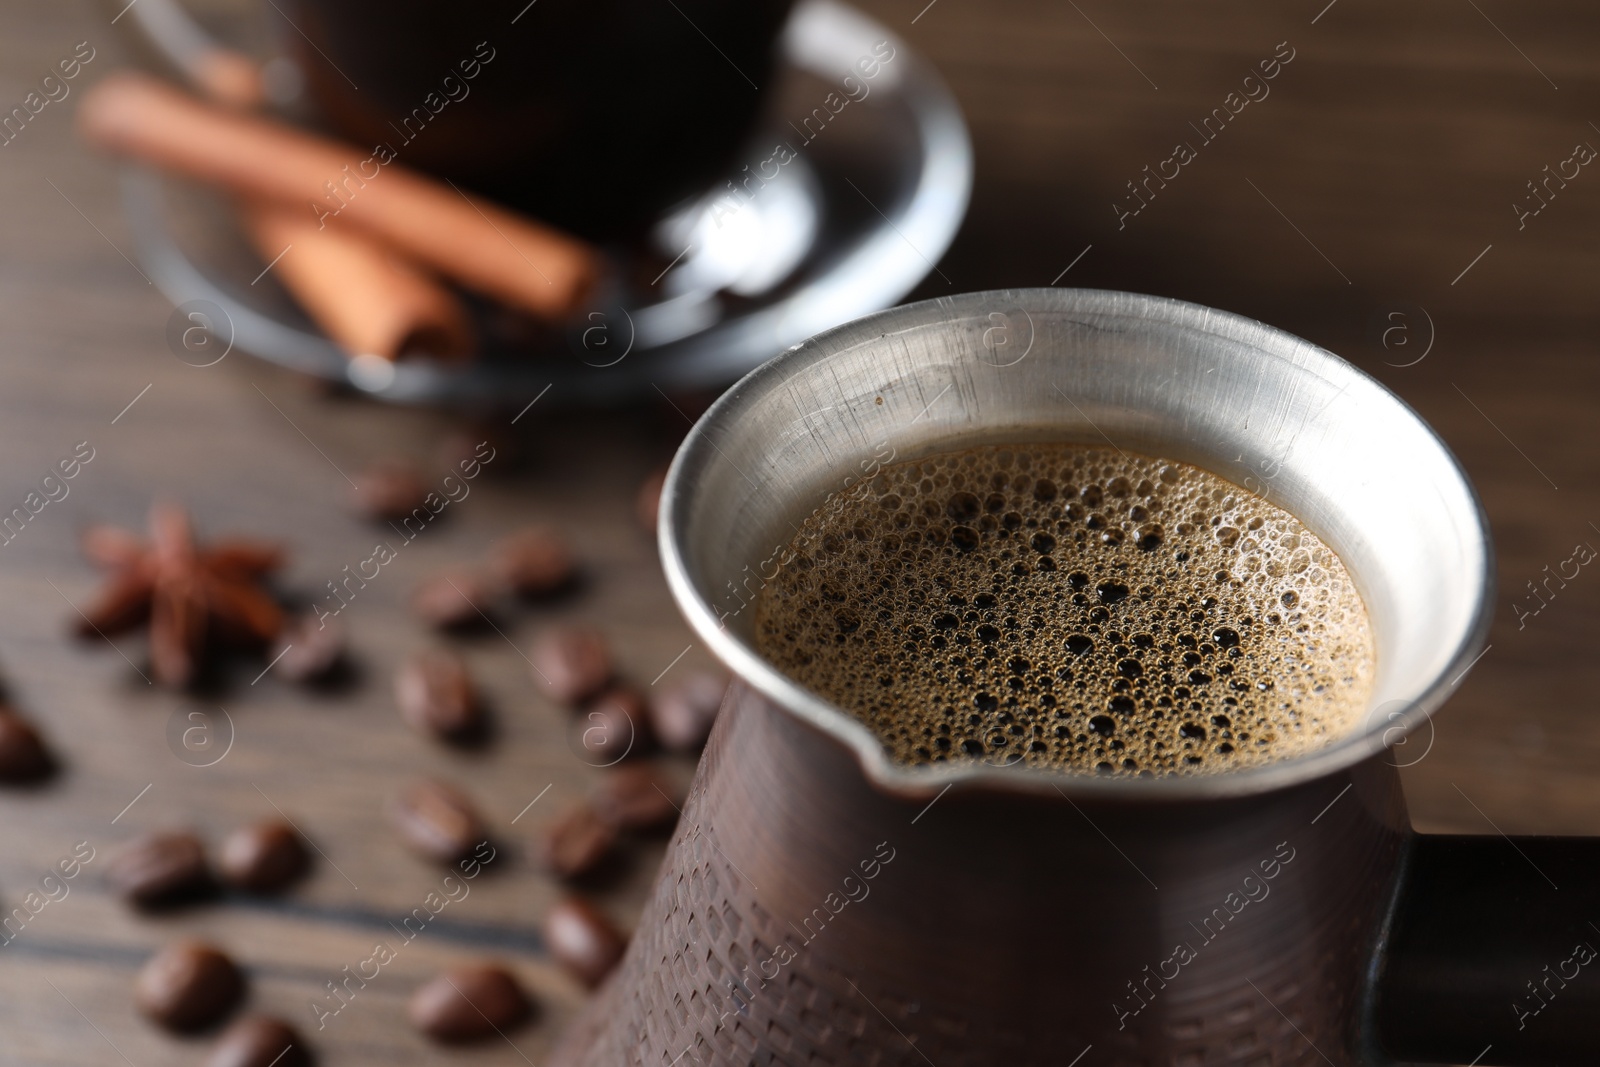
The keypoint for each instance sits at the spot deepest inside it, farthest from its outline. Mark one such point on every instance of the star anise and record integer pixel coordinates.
(196, 599)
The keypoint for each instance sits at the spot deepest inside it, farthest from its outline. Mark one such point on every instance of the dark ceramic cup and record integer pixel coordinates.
(596, 115)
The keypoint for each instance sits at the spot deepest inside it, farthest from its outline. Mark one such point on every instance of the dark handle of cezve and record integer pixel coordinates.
(1494, 954)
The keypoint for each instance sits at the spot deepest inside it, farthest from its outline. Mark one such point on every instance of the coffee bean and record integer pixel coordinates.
(576, 842)
(315, 649)
(682, 714)
(454, 600)
(390, 490)
(572, 662)
(437, 820)
(23, 757)
(436, 696)
(159, 867)
(260, 1041)
(635, 798)
(535, 562)
(469, 1003)
(187, 986)
(647, 506)
(263, 858)
(613, 727)
(583, 940)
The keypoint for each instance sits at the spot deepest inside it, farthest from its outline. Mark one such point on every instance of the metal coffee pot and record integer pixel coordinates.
(822, 905)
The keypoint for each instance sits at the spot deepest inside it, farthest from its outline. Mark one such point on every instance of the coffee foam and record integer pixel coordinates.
(1071, 608)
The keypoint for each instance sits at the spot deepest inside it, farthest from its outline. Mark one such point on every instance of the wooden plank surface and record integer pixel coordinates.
(1385, 159)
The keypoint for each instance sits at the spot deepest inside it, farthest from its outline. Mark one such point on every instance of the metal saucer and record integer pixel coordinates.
(872, 197)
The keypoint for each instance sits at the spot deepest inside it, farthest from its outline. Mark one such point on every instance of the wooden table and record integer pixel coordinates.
(1375, 181)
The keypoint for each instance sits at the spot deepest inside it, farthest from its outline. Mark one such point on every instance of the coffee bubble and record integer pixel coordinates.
(1072, 608)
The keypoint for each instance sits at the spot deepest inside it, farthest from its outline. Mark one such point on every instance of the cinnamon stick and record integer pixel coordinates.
(364, 297)
(366, 300)
(486, 247)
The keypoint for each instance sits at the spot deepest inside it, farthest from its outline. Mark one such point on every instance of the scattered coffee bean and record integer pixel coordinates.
(576, 842)
(583, 940)
(682, 714)
(534, 562)
(23, 757)
(635, 798)
(648, 504)
(260, 1041)
(263, 858)
(315, 649)
(159, 867)
(437, 820)
(573, 663)
(187, 986)
(391, 489)
(613, 727)
(436, 696)
(454, 600)
(469, 1003)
